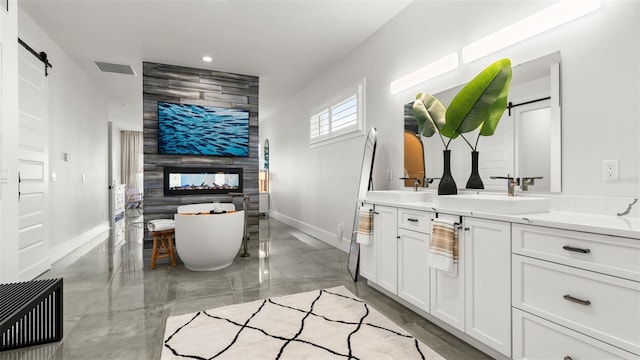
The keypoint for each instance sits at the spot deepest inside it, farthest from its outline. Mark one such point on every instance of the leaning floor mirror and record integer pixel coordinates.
(366, 183)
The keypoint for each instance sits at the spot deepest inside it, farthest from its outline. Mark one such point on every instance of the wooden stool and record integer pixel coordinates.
(162, 246)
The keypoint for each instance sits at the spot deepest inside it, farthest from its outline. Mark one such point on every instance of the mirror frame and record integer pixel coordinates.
(366, 183)
(537, 68)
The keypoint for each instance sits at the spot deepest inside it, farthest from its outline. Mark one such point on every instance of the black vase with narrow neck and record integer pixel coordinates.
(475, 181)
(447, 184)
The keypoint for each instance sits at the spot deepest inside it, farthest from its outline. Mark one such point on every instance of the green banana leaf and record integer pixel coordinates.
(480, 103)
(429, 113)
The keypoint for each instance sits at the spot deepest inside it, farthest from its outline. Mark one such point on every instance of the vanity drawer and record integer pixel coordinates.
(536, 338)
(602, 253)
(601, 306)
(414, 220)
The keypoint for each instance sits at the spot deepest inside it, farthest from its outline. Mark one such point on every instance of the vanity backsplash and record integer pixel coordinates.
(601, 205)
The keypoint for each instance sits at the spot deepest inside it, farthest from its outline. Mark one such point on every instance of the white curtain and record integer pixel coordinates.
(131, 163)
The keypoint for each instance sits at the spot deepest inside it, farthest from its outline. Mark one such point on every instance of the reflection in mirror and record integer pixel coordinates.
(527, 141)
(365, 184)
(414, 159)
(533, 129)
(414, 164)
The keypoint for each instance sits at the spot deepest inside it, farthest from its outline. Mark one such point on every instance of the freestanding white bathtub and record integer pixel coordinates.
(207, 241)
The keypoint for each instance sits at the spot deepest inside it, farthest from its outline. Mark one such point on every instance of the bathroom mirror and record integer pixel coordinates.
(364, 185)
(527, 142)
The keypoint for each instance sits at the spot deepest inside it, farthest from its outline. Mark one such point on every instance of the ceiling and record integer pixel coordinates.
(283, 42)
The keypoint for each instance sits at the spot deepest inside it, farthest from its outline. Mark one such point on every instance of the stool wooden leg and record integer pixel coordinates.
(171, 250)
(154, 253)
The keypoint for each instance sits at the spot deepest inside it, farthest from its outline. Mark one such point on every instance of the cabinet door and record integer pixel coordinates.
(536, 338)
(413, 271)
(488, 282)
(447, 293)
(368, 257)
(385, 238)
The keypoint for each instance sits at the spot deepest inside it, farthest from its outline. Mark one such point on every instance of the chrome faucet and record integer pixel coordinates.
(528, 181)
(428, 181)
(512, 183)
(416, 182)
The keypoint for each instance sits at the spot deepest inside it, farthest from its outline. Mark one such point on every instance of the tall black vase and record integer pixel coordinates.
(447, 185)
(474, 182)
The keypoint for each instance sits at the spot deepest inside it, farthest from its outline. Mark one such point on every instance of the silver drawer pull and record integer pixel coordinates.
(575, 249)
(576, 300)
(568, 358)
(412, 220)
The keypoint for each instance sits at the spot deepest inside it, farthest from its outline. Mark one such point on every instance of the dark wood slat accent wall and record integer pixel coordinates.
(179, 84)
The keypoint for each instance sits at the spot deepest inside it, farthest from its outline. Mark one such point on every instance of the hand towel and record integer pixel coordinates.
(161, 224)
(443, 248)
(365, 226)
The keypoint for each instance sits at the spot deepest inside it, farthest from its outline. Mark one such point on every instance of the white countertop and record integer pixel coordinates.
(594, 223)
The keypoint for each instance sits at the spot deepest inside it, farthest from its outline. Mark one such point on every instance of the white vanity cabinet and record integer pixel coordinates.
(522, 291)
(397, 258)
(414, 228)
(368, 253)
(487, 277)
(379, 260)
(385, 240)
(447, 292)
(582, 286)
(478, 300)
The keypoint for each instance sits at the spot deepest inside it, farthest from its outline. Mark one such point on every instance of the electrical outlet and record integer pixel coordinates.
(390, 175)
(339, 231)
(610, 170)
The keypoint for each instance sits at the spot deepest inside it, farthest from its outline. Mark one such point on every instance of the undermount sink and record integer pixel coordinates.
(495, 203)
(401, 196)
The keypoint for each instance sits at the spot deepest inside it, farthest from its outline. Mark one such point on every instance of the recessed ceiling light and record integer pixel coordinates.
(207, 58)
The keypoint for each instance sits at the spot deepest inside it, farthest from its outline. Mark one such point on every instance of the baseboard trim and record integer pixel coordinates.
(90, 238)
(314, 231)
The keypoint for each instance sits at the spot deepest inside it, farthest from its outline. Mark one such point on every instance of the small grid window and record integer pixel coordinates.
(320, 125)
(342, 117)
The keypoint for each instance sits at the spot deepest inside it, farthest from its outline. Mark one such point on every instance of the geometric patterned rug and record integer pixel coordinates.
(321, 324)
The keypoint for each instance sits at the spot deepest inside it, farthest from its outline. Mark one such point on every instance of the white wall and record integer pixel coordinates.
(317, 187)
(9, 143)
(78, 201)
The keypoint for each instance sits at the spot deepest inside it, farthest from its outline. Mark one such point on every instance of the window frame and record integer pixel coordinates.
(356, 90)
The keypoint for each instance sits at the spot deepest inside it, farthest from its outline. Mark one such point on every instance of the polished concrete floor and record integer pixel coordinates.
(115, 307)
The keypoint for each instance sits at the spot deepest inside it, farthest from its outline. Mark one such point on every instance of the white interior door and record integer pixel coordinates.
(33, 247)
(533, 143)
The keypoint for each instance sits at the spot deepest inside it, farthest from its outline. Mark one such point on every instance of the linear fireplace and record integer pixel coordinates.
(202, 180)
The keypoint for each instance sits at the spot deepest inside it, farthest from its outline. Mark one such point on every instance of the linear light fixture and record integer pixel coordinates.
(548, 18)
(436, 68)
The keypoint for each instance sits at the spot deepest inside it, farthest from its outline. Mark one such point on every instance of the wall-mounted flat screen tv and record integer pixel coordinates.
(185, 129)
(199, 180)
